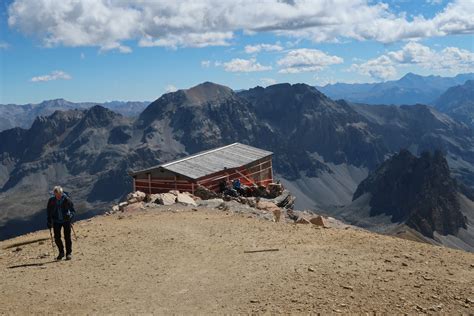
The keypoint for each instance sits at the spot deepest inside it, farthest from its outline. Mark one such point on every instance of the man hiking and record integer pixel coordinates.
(60, 213)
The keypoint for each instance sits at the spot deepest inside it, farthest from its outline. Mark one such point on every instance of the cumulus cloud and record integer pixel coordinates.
(450, 59)
(244, 65)
(380, 68)
(4, 45)
(205, 63)
(252, 49)
(304, 60)
(55, 75)
(107, 24)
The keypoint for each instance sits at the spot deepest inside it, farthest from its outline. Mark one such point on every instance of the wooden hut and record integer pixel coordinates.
(235, 161)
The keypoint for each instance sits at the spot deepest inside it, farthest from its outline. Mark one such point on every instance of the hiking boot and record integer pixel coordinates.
(68, 257)
(60, 256)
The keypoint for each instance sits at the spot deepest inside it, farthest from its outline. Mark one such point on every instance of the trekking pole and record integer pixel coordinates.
(74, 232)
(52, 243)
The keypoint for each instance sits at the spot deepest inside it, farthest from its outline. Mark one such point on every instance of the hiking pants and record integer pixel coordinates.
(67, 237)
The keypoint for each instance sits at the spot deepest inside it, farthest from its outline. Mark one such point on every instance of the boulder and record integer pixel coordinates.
(288, 202)
(302, 220)
(122, 205)
(318, 221)
(165, 199)
(211, 203)
(133, 207)
(204, 193)
(115, 208)
(137, 195)
(153, 197)
(270, 207)
(174, 192)
(265, 205)
(185, 199)
(251, 201)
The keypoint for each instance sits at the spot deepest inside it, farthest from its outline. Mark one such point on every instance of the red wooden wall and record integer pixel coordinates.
(258, 172)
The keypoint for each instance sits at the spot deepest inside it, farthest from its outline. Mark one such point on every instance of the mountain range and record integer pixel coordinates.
(458, 102)
(322, 148)
(23, 115)
(410, 89)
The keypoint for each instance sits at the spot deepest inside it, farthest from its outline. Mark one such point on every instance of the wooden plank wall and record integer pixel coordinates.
(259, 172)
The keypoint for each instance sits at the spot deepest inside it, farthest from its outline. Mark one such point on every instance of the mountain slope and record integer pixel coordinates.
(458, 102)
(193, 262)
(419, 193)
(410, 89)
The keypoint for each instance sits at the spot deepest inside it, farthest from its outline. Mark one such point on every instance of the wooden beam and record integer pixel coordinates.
(149, 183)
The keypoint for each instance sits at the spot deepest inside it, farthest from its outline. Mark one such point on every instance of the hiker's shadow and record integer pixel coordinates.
(38, 264)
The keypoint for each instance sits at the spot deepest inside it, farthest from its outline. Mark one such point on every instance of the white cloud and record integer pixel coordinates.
(244, 65)
(380, 68)
(205, 63)
(434, 2)
(188, 40)
(4, 45)
(267, 81)
(107, 24)
(252, 49)
(304, 60)
(55, 75)
(449, 59)
(170, 88)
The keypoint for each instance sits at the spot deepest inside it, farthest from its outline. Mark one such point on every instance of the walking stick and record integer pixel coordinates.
(52, 243)
(74, 232)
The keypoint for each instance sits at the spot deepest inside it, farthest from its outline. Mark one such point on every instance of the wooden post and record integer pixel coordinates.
(192, 188)
(134, 185)
(175, 184)
(149, 183)
(271, 169)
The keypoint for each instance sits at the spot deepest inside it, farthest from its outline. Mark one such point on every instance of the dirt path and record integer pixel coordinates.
(194, 262)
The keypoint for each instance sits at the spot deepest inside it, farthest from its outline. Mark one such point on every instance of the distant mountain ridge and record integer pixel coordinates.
(322, 149)
(410, 89)
(458, 102)
(14, 115)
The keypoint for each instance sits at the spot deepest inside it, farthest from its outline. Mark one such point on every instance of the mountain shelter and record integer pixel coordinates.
(208, 168)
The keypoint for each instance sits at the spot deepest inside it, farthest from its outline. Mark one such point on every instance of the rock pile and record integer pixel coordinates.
(279, 208)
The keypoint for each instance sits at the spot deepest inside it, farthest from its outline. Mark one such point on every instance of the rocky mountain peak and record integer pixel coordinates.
(286, 98)
(416, 190)
(207, 92)
(98, 116)
(203, 94)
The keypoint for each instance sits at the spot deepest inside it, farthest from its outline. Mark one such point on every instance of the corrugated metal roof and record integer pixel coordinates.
(208, 162)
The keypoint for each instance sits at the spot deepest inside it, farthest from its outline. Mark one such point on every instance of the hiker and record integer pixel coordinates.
(239, 187)
(60, 213)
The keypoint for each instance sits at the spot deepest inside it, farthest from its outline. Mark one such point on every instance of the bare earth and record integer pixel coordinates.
(167, 262)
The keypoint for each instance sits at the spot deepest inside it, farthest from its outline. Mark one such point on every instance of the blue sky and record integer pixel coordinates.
(94, 50)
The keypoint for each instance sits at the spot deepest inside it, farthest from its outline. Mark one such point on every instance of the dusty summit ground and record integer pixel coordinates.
(186, 261)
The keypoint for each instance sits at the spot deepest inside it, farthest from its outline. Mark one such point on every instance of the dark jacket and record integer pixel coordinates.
(60, 211)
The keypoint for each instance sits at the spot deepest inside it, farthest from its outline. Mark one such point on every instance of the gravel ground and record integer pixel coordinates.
(169, 260)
